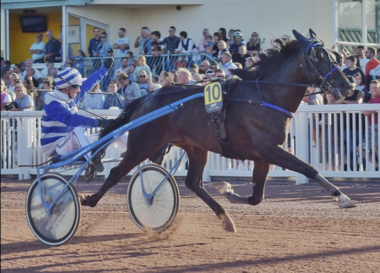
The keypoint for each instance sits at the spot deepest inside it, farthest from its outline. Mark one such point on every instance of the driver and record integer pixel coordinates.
(62, 127)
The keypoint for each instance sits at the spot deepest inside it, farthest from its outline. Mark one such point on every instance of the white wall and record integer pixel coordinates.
(270, 18)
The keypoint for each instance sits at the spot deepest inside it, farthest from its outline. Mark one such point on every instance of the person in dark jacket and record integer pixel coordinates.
(52, 48)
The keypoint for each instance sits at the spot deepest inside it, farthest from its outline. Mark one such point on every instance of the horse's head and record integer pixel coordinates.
(327, 73)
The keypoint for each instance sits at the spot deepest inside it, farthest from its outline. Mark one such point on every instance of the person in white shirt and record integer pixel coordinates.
(94, 101)
(227, 64)
(363, 60)
(45, 72)
(186, 45)
(121, 47)
(37, 49)
(201, 43)
(29, 64)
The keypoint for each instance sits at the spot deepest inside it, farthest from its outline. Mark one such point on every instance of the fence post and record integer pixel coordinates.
(302, 143)
(24, 146)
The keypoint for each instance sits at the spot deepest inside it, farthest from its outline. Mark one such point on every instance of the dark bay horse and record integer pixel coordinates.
(256, 132)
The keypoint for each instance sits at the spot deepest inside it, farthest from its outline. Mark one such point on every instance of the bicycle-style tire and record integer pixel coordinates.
(159, 215)
(59, 227)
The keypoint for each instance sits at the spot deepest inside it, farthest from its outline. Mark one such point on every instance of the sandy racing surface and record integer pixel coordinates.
(297, 229)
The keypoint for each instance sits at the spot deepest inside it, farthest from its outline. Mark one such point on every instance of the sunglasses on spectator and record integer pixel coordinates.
(238, 36)
(142, 76)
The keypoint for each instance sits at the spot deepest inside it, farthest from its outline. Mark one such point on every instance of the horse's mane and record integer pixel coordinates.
(271, 59)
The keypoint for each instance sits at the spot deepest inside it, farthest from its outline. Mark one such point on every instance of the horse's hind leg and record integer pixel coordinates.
(278, 156)
(197, 161)
(260, 173)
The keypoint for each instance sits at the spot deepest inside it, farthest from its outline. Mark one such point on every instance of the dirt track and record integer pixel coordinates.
(285, 233)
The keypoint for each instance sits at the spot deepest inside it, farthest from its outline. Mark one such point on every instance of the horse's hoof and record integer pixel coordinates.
(345, 202)
(227, 223)
(85, 200)
(223, 187)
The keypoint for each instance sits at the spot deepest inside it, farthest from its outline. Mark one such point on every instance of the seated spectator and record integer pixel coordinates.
(53, 73)
(14, 79)
(352, 69)
(354, 96)
(205, 65)
(103, 47)
(129, 90)
(17, 70)
(173, 76)
(253, 46)
(129, 56)
(131, 73)
(94, 101)
(145, 83)
(219, 73)
(223, 34)
(124, 66)
(238, 65)
(227, 64)
(230, 37)
(222, 46)
(44, 72)
(249, 62)
(207, 45)
(360, 86)
(114, 99)
(194, 68)
(141, 65)
(373, 125)
(184, 76)
(29, 64)
(5, 97)
(30, 74)
(205, 42)
(5, 74)
(234, 48)
(155, 79)
(197, 77)
(47, 85)
(22, 101)
(79, 61)
(165, 79)
(29, 86)
(241, 56)
(38, 49)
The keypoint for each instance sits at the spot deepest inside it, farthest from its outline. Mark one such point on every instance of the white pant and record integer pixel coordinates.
(78, 139)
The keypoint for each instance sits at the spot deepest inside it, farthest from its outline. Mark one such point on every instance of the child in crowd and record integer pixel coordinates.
(208, 44)
(129, 56)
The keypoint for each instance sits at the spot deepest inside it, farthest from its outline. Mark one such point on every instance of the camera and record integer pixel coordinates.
(10, 106)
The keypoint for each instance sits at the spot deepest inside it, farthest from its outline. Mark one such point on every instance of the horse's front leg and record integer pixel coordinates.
(260, 173)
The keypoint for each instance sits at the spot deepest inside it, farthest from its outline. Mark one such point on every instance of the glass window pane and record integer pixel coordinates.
(373, 18)
(350, 20)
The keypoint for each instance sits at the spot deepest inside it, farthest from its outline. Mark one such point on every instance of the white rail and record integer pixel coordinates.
(317, 135)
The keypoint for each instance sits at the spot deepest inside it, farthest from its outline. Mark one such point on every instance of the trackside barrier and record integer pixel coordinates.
(320, 135)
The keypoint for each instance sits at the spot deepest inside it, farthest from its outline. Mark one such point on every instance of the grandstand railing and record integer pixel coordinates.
(317, 135)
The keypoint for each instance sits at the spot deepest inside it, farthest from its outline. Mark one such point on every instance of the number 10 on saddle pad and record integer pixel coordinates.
(213, 97)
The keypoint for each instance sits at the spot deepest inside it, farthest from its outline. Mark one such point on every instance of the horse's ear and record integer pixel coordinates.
(244, 74)
(305, 42)
(313, 35)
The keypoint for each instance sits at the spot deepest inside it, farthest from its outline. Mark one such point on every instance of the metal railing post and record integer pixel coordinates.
(24, 146)
(302, 143)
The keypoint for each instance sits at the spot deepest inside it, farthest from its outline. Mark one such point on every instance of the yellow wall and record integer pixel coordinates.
(20, 42)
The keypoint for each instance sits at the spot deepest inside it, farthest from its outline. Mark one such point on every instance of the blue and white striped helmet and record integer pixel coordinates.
(68, 77)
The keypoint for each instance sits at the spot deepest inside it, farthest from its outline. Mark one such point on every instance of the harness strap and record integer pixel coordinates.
(328, 74)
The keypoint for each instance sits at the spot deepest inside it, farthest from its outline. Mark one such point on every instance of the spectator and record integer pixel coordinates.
(238, 65)
(69, 63)
(360, 86)
(208, 45)
(165, 79)
(173, 76)
(375, 98)
(79, 61)
(44, 72)
(114, 99)
(375, 73)
(52, 48)
(371, 64)
(94, 43)
(124, 65)
(122, 46)
(219, 73)
(204, 42)
(315, 99)
(94, 101)
(362, 58)
(223, 34)
(29, 64)
(170, 43)
(5, 73)
(230, 37)
(53, 73)
(103, 46)
(194, 68)
(22, 101)
(147, 46)
(253, 46)
(146, 84)
(222, 46)
(131, 73)
(129, 56)
(17, 70)
(2, 62)
(38, 49)
(186, 45)
(140, 40)
(215, 48)
(29, 86)
(23, 66)
(47, 85)
(249, 62)
(14, 79)
(242, 56)
(110, 53)
(256, 58)
(141, 65)
(129, 90)
(234, 48)
(5, 97)
(352, 69)
(210, 73)
(197, 77)
(227, 64)
(184, 76)
(205, 66)
(155, 80)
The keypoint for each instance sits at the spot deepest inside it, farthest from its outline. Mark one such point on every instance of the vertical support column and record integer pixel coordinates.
(302, 143)
(65, 42)
(335, 22)
(24, 146)
(364, 21)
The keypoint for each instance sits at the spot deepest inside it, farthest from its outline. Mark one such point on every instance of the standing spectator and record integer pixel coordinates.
(168, 46)
(371, 64)
(234, 48)
(122, 46)
(94, 101)
(140, 40)
(373, 125)
(141, 65)
(45, 71)
(5, 97)
(186, 45)
(129, 90)
(215, 47)
(52, 48)
(5, 73)
(242, 56)
(38, 49)
(165, 79)
(94, 42)
(23, 101)
(147, 46)
(110, 52)
(352, 69)
(363, 60)
(223, 34)
(29, 64)
(79, 61)
(114, 99)
(230, 38)
(204, 40)
(375, 73)
(253, 46)
(227, 64)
